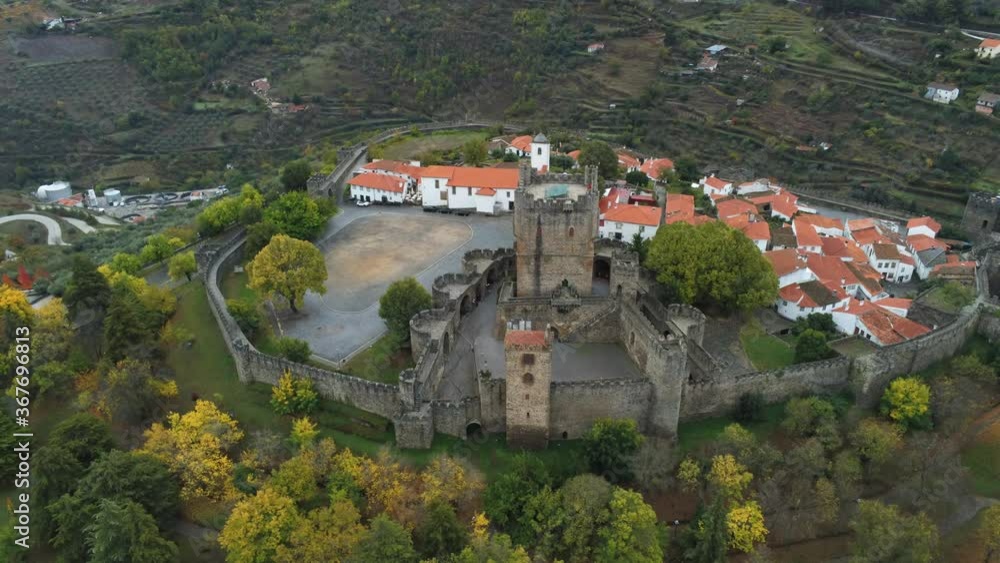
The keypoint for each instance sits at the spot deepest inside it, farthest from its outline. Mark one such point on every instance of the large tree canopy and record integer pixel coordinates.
(403, 299)
(599, 154)
(712, 264)
(288, 267)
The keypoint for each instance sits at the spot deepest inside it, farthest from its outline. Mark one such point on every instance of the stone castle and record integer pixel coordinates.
(539, 341)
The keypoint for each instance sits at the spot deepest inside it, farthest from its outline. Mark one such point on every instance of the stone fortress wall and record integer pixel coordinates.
(683, 380)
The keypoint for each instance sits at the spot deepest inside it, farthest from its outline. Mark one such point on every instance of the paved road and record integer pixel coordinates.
(50, 224)
(336, 330)
(82, 225)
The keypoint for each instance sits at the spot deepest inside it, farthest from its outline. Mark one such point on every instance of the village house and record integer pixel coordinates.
(790, 266)
(521, 146)
(627, 162)
(988, 48)
(757, 231)
(927, 252)
(987, 102)
(941, 92)
(595, 47)
(623, 222)
(926, 226)
(885, 328)
(380, 188)
(800, 300)
(809, 239)
(732, 207)
(707, 64)
(715, 188)
(481, 190)
(655, 168)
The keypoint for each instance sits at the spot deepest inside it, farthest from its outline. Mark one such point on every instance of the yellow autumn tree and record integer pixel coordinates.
(325, 535)
(15, 311)
(907, 400)
(745, 524)
(195, 445)
(729, 476)
(304, 432)
(52, 332)
(689, 472)
(448, 480)
(288, 267)
(258, 527)
(388, 486)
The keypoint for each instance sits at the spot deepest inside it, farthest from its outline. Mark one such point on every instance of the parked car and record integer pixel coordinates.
(363, 203)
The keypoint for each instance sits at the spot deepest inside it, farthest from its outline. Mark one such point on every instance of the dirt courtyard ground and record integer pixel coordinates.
(374, 251)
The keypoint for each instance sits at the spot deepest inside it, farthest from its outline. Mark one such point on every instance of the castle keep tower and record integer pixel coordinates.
(982, 217)
(555, 226)
(529, 375)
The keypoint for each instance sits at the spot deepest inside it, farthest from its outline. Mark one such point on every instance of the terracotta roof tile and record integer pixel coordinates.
(397, 166)
(785, 261)
(889, 327)
(654, 166)
(522, 143)
(734, 207)
(886, 251)
(924, 222)
(374, 181)
(717, 183)
(822, 221)
(525, 338)
(920, 243)
(634, 214)
(806, 234)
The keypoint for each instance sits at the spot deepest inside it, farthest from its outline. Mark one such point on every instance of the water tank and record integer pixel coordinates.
(112, 195)
(54, 191)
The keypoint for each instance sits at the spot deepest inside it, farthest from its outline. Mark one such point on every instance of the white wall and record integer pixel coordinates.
(798, 276)
(611, 229)
(430, 190)
(373, 195)
(921, 230)
(540, 156)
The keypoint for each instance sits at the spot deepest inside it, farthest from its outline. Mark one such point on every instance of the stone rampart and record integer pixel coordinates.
(454, 417)
(717, 398)
(577, 404)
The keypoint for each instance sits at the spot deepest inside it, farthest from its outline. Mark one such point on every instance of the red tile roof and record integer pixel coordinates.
(634, 214)
(397, 166)
(575, 155)
(374, 181)
(653, 167)
(865, 237)
(525, 338)
(499, 178)
(785, 261)
(954, 269)
(889, 327)
(734, 207)
(806, 234)
(812, 294)
(626, 160)
(486, 191)
(615, 197)
(822, 221)
(924, 222)
(437, 172)
(842, 247)
(886, 251)
(717, 183)
(988, 42)
(522, 143)
(861, 224)
(680, 203)
(832, 269)
(784, 205)
(758, 230)
(919, 243)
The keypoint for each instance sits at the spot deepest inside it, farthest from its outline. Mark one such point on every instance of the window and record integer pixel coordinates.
(528, 360)
(572, 232)
(453, 190)
(618, 226)
(528, 379)
(539, 150)
(642, 228)
(437, 184)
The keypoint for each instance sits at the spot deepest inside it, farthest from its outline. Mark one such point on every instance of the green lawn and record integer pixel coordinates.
(693, 434)
(410, 147)
(383, 361)
(766, 352)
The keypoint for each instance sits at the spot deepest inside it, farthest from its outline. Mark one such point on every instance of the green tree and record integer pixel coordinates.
(609, 443)
(297, 215)
(637, 178)
(632, 533)
(84, 436)
(129, 327)
(288, 267)
(505, 497)
(127, 263)
(403, 299)
(159, 247)
(293, 395)
(599, 154)
(640, 245)
(712, 264)
(295, 175)
(246, 316)
(707, 539)
(811, 346)
(810, 416)
(585, 502)
(884, 534)
(88, 289)
(687, 169)
(124, 531)
(822, 322)
(294, 349)
(439, 533)
(474, 152)
(907, 402)
(876, 441)
(182, 265)
(258, 235)
(385, 540)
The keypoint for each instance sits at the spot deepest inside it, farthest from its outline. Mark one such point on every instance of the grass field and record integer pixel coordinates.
(982, 459)
(766, 352)
(383, 361)
(693, 434)
(411, 147)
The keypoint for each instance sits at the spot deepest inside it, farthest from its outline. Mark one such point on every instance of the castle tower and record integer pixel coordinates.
(529, 374)
(540, 152)
(555, 226)
(982, 217)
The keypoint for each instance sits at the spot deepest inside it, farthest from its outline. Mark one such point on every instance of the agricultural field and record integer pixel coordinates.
(412, 147)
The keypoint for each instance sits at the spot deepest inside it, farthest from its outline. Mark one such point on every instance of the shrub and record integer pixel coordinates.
(294, 349)
(750, 408)
(246, 316)
(293, 395)
(609, 443)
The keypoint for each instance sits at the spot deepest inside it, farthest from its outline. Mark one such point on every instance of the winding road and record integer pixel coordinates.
(50, 224)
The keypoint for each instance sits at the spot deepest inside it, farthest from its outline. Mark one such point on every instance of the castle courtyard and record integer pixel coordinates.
(368, 248)
(478, 347)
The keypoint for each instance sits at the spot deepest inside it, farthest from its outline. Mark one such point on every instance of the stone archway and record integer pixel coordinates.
(473, 430)
(466, 305)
